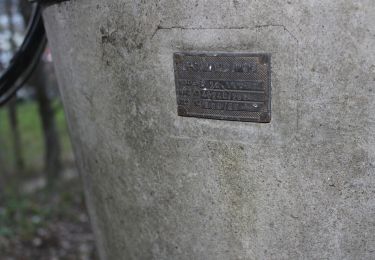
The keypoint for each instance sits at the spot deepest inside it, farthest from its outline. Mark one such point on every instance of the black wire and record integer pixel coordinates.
(25, 60)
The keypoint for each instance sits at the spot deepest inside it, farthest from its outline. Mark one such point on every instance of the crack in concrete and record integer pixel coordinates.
(279, 25)
(197, 28)
(159, 28)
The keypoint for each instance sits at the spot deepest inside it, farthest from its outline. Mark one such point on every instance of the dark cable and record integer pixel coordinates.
(26, 58)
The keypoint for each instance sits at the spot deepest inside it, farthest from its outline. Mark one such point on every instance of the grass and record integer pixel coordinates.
(35, 225)
(20, 215)
(31, 137)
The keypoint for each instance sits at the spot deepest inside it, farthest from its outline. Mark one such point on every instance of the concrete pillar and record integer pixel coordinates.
(160, 186)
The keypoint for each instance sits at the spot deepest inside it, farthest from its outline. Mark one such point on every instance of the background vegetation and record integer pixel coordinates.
(32, 137)
(42, 208)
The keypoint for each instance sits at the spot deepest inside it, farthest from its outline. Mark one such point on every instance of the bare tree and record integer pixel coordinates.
(40, 83)
(50, 133)
(12, 108)
(3, 168)
(25, 10)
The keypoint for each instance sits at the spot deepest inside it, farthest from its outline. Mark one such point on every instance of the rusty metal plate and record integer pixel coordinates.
(224, 86)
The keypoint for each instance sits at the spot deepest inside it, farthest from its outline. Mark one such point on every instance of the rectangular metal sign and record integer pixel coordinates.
(224, 86)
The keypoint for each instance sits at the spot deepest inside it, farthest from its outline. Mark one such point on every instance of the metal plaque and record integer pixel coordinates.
(224, 86)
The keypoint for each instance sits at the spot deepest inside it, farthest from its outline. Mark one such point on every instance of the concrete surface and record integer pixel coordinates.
(161, 186)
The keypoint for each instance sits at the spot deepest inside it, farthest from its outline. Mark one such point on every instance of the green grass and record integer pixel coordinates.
(31, 137)
(21, 214)
(45, 214)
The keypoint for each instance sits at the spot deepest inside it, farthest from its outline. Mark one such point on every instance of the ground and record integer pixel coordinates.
(37, 222)
(46, 224)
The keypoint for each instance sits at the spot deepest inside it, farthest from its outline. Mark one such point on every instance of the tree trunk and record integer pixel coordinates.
(4, 165)
(12, 107)
(52, 148)
(16, 137)
(25, 10)
(50, 133)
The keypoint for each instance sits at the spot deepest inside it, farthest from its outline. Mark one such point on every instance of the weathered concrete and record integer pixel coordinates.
(161, 186)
